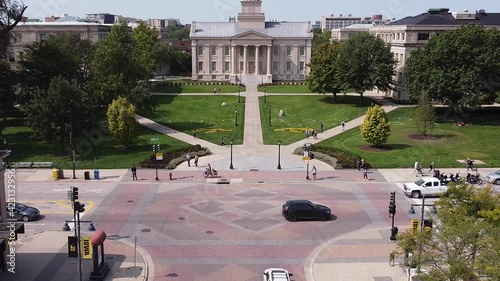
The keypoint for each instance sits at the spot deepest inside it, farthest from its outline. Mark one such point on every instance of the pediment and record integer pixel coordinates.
(251, 34)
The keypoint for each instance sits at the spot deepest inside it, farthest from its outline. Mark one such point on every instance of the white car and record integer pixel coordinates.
(276, 274)
(426, 186)
(494, 177)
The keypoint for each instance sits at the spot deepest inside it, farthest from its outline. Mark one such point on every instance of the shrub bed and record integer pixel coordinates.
(173, 158)
(337, 158)
(196, 83)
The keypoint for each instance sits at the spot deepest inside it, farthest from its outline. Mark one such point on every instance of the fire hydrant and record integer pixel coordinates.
(170, 175)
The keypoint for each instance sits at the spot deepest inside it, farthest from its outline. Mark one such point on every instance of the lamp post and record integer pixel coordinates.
(238, 92)
(265, 95)
(6, 150)
(231, 165)
(73, 152)
(279, 155)
(412, 211)
(270, 116)
(235, 116)
(307, 146)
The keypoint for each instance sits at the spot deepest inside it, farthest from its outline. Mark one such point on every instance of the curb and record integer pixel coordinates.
(148, 261)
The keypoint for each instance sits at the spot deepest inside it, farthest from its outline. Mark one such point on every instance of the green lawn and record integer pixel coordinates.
(284, 89)
(307, 111)
(476, 140)
(197, 89)
(205, 114)
(106, 152)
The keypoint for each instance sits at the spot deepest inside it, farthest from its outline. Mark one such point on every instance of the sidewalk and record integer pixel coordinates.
(44, 257)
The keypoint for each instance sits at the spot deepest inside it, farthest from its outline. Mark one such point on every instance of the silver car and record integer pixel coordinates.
(494, 177)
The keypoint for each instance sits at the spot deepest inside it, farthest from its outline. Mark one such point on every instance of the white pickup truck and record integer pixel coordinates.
(426, 186)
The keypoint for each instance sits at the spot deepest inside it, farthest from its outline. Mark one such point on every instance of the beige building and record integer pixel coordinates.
(27, 33)
(249, 49)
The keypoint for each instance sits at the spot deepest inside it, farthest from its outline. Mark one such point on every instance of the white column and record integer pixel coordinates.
(269, 60)
(245, 59)
(257, 69)
(194, 60)
(233, 60)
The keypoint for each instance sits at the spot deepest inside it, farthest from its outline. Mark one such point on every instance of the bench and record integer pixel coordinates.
(31, 165)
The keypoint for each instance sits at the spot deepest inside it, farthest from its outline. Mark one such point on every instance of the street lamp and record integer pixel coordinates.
(238, 92)
(6, 150)
(265, 95)
(73, 152)
(307, 146)
(270, 116)
(231, 165)
(235, 116)
(279, 155)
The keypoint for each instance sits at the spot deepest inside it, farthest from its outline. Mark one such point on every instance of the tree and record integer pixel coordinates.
(148, 50)
(53, 113)
(459, 68)
(119, 70)
(425, 115)
(464, 243)
(11, 13)
(365, 62)
(177, 33)
(6, 90)
(376, 128)
(121, 121)
(321, 78)
(320, 37)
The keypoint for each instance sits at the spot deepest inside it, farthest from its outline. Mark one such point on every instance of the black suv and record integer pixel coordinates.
(305, 209)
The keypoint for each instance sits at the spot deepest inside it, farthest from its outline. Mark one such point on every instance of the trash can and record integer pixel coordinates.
(55, 174)
(60, 174)
(96, 174)
(87, 175)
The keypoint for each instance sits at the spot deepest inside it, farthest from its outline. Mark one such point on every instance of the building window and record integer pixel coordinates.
(302, 50)
(12, 56)
(226, 77)
(302, 77)
(275, 66)
(288, 50)
(242, 50)
(288, 78)
(200, 66)
(241, 66)
(275, 51)
(226, 66)
(42, 37)
(423, 36)
(200, 50)
(200, 77)
(260, 67)
(226, 50)
(214, 66)
(301, 66)
(214, 77)
(251, 51)
(214, 50)
(288, 66)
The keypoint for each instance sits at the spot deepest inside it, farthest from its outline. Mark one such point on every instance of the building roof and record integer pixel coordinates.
(360, 26)
(445, 18)
(230, 29)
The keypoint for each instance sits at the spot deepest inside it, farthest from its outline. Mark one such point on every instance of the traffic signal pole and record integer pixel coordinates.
(392, 213)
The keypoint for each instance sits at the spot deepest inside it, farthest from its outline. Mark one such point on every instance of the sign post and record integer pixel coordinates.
(86, 247)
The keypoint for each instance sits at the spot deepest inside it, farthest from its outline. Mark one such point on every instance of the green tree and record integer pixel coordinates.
(7, 81)
(148, 50)
(53, 113)
(11, 13)
(425, 115)
(464, 241)
(321, 78)
(121, 121)
(459, 68)
(376, 128)
(177, 33)
(118, 70)
(365, 62)
(320, 37)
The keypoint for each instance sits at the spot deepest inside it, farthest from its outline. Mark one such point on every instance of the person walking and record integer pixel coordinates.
(343, 126)
(431, 167)
(196, 157)
(365, 173)
(307, 133)
(313, 171)
(222, 143)
(188, 159)
(215, 91)
(321, 127)
(194, 133)
(134, 173)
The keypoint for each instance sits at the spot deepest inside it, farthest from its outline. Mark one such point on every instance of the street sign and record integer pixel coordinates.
(415, 226)
(86, 247)
(72, 247)
(159, 156)
(155, 139)
(306, 158)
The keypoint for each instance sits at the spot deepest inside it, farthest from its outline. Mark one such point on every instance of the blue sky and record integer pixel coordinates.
(219, 10)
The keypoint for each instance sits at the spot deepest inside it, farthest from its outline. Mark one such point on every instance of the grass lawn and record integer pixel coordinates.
(303, 112)
(105, 150)
(197, 89)
(284, 89)
(476, 140)
(205, 114)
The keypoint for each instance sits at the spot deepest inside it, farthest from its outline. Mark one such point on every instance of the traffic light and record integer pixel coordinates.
(79, 207)
(156, 147)
(392, 204)
(428, 225)
(74, 193)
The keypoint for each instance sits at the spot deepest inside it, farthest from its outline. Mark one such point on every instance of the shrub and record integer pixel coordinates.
(173, 158)
(337, 158)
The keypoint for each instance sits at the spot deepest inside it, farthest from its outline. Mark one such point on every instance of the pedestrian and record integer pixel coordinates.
(222, 143)
(358, 164)
(362, 163)
(469, 164)
(392, 257)
(188, 159)
(343, 125)
(321, 127)
(365, 173)
(419, 170)
(307, 133)
(416, 167)
(196, 157)
(215, 91)
(134, 173)
(220, 92)
(313, 133)
(313, 171)
(431, 167)
(194, 133)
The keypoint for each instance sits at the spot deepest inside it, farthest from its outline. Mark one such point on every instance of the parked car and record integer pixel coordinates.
(305, 209)
(276, 274)
(22, 212)
(427, 186)
(494, 177)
